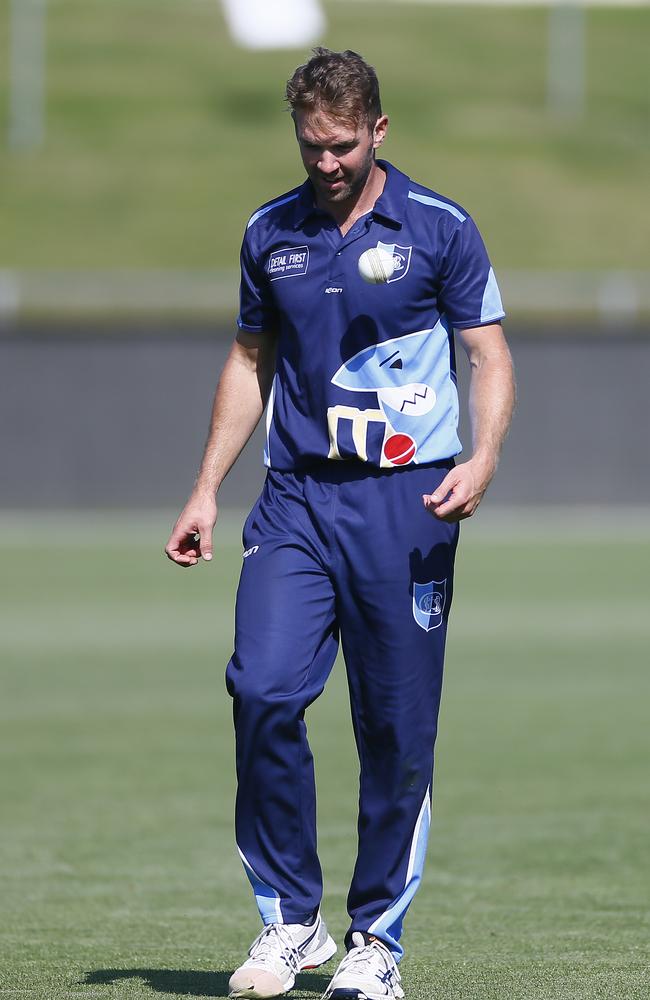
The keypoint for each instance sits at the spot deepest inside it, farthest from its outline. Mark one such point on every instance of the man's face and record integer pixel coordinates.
(338, 157)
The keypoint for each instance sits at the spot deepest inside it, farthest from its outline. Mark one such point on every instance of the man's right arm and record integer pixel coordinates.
(239, 402)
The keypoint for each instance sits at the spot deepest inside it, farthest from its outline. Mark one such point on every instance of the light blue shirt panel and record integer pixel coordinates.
(492, 306)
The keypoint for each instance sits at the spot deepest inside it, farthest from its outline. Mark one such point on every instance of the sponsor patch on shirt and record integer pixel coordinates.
(288, 263)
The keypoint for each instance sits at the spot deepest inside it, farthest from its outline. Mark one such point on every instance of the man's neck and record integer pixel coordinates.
(346, 213)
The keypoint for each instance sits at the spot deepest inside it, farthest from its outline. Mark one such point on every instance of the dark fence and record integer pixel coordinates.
(117, 418)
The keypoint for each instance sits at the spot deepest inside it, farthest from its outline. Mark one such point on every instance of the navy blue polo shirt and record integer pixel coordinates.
(364, 372)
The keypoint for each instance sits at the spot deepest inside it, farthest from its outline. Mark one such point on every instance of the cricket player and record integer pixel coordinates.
(355, 531)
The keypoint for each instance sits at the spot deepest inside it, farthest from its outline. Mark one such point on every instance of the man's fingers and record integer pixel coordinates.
(191, 537)
(454, 501)
(442, 494)
(188, 557)
(182, 547)
(455, 498)
(452, 510)
(447, 511)
(186, 547)
(446, 486)
(184, 561)
(205, 541)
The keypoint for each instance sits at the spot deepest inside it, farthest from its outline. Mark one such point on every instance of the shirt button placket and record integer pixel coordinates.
(335, 272)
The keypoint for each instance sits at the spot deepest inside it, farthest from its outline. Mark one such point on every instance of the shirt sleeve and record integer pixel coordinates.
(257, 311)
(468, 292)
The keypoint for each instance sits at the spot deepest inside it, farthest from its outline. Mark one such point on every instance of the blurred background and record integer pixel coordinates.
(136, 138)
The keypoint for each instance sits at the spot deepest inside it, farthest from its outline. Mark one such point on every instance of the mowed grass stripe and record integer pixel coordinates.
(120, 877)
(483, 620)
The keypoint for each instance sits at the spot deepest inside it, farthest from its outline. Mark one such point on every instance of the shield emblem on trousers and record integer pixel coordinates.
(429, 603)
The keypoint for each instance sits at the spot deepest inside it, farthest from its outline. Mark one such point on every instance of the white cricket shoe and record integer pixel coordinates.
(368, 972)
(277, 954)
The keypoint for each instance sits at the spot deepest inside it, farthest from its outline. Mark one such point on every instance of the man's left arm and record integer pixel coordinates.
(491, 402)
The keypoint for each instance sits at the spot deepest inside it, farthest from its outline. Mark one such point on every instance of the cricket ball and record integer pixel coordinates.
(376, 265)
(399, 449)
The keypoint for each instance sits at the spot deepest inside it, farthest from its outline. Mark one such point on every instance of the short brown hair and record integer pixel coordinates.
(338, 82)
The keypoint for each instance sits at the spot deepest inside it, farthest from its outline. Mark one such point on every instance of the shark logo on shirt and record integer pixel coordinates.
(397, 372)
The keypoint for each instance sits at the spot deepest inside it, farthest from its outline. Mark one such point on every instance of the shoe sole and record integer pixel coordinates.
(343, 994)
(356, 994)
(326, 951)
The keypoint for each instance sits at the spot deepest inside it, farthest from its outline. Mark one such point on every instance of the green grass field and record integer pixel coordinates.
(119, 873)
(162, 138)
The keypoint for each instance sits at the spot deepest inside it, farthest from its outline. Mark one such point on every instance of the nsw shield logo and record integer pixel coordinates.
(429, 603)
(401, 259)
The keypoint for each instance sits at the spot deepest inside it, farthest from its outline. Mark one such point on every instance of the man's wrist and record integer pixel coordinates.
(485, 464)
(206, 489)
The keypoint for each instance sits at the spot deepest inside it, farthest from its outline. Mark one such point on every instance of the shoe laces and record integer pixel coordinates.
(274, 943)
(367, 957)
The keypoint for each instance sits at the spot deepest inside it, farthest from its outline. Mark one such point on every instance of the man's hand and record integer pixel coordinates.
(491, 400)
(191, 538)
(460, 492)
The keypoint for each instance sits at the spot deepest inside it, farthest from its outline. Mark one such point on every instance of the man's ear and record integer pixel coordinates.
(379, 131)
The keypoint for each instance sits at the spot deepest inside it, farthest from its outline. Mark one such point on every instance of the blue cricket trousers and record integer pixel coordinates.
(342, 548)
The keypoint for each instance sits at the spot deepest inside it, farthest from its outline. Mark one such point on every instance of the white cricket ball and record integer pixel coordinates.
(376, 265)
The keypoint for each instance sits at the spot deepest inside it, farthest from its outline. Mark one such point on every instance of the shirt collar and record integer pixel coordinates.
(305, 205)
(390, 205)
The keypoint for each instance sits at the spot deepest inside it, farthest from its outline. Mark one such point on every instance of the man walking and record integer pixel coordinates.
(356, 528)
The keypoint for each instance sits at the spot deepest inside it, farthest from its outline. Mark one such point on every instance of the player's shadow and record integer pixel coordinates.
(433, 566)
(191, 982)
(362, 332)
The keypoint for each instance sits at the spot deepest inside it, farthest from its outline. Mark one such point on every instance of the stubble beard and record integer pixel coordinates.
(351, 190)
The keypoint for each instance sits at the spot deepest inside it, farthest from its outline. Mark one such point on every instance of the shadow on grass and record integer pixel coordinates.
(190, 982)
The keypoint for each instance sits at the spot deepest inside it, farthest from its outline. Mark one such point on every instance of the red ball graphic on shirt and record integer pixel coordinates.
(399, 449)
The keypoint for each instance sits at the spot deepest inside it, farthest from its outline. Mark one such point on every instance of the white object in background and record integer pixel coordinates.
(26, 74)
(566, 72)
(274, 24)
(376, 265)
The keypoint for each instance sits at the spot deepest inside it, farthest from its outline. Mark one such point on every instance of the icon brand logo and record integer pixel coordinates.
(429, 603)
(333, 291)
(251, 551)
(287, 263)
